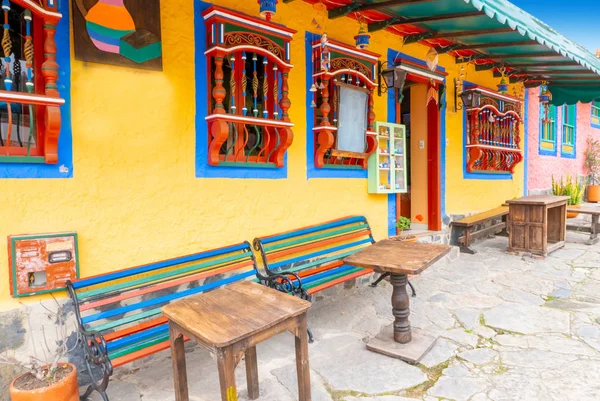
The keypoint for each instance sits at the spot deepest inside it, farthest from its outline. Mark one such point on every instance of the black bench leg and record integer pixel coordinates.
(379, 280)
(412, 288)
(311, 339)
(466, 249)
(384, 275)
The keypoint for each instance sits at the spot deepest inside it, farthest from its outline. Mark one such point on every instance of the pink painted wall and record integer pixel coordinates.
(541, 167)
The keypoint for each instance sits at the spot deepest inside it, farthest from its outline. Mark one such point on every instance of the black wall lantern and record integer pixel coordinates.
(469, 98)
(390, 78)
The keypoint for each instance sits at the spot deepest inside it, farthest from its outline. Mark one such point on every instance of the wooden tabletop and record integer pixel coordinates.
(538, 200)
(231, 313)
(398, 256)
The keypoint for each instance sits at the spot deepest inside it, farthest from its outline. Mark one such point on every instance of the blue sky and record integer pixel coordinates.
(575, 19)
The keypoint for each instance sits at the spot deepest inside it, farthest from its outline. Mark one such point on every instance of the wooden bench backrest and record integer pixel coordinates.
(321, 246)
(126, 300)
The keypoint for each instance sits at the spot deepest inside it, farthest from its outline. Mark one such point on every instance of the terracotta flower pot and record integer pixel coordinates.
(593, 193)
(64, 390)
(571, 215)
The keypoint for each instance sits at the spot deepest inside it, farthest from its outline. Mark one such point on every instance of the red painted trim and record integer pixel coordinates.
(250, 20)
(329, 266)
(339, 280)
(437, 71)
(434, 207)
(351, 48)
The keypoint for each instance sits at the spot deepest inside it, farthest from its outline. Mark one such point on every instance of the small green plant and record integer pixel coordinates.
(592, 160)
(402, 224)
(568, 187)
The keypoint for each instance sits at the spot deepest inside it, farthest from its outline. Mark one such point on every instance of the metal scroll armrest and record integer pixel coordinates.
(95, 352)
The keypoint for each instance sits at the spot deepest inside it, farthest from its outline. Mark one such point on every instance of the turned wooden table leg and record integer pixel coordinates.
(400, 309)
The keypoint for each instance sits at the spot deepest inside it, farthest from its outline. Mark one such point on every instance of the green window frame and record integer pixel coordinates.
(595, 113)
(568, 131)
(569, 121)
(548, 130)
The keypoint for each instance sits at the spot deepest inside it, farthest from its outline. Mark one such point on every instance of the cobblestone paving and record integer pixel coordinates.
(509, 327)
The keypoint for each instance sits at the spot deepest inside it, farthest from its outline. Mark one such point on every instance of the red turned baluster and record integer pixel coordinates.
(285, 102)
(50, 73)
(371, 114)
(219, 91)
(325, 107)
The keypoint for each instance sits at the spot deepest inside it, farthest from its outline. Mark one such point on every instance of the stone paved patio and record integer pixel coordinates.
(510, 327)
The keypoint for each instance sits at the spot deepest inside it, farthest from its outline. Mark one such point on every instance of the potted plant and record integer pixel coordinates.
(569, 187)
(592, 165)
(402, 224)
(48, 379)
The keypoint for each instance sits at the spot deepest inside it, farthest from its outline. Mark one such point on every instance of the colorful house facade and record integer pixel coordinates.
(217, 125)
(557, 143)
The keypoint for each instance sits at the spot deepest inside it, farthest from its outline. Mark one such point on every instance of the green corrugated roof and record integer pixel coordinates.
(529, 26)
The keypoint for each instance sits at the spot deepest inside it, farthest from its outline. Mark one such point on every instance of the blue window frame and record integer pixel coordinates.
(569, 130)
(596, 113)
(548, 130)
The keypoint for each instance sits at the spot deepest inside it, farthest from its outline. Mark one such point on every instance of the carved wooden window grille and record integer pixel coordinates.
(493, 133)
(248, 70)
(351, 73)
(29, 98)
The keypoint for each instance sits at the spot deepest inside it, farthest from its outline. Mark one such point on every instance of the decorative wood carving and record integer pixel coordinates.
(493, 133)
(352, 68)
(253, 131)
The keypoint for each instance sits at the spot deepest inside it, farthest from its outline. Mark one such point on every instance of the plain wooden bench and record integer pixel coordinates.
(315, 253)
(119, 314)
(593, 229)
(472, 227)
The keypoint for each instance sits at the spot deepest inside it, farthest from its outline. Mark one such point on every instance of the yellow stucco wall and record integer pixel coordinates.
(134, 197)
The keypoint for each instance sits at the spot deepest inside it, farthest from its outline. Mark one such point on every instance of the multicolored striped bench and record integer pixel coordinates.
(315, 253)
(119, 313)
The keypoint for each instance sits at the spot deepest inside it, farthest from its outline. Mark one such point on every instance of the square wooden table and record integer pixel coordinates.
(537, 224)
(400, 259)
(230, 322)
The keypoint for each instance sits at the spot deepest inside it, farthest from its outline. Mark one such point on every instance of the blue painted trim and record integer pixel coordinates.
(597, 126)
(164, 299)
(526, 145)
(159, 265)
(569, 155)
(64, 167)
(477, 176)
(391, 118)
(311, 170)
(203, 169)
(443, 154)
